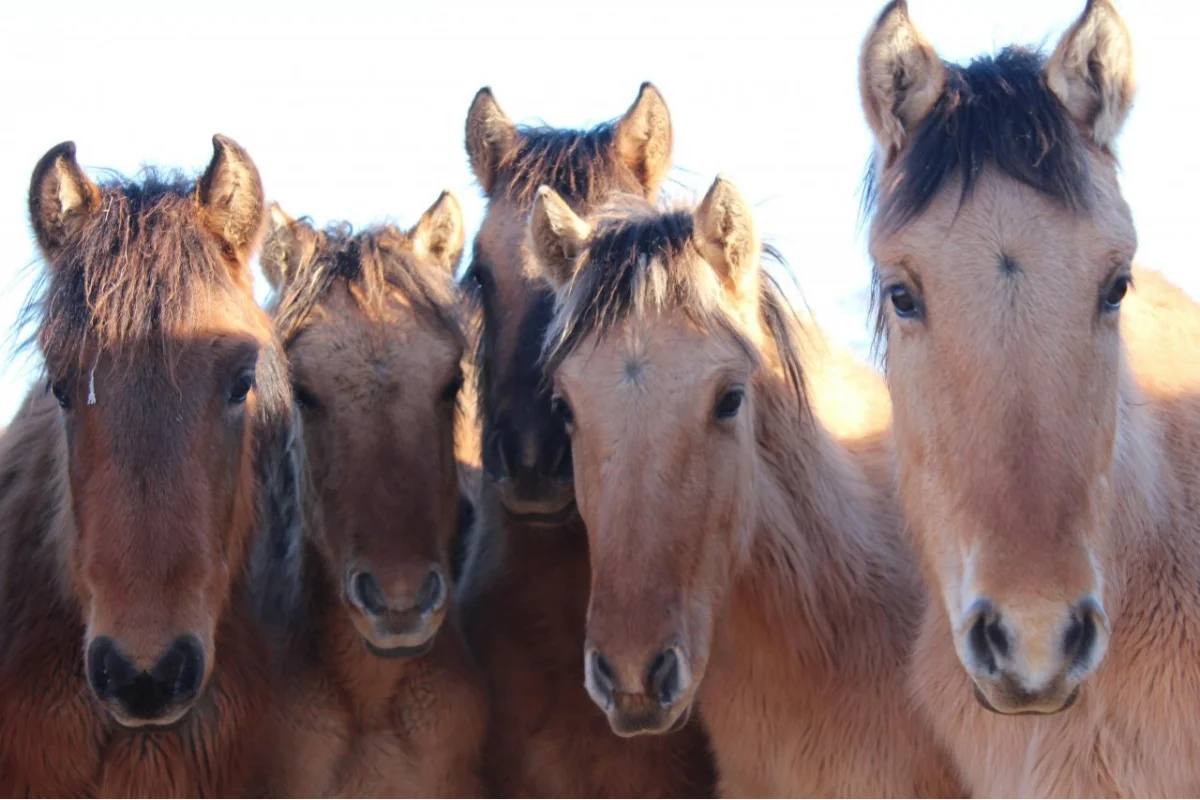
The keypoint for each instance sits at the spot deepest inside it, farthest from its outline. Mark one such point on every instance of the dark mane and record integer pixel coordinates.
(642, 263)
(578, 164)
(374, 263)
(996, 111)
(140, 267)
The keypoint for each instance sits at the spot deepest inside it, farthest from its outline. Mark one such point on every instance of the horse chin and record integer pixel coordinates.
(1041, 708)
(402, 651)
(649, 722)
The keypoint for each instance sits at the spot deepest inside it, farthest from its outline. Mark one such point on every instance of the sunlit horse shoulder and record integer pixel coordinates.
(370, 323)
(744, 560)
(1047, 425)
(138, 482)
(525, 585)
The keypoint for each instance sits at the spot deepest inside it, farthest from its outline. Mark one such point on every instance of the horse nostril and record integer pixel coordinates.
(987, 640)
(433, 592)
(563, 468)
(664, 680)
(180, 672)
(368, 595)
(98, 674)
(604, 677)
(1079, 642)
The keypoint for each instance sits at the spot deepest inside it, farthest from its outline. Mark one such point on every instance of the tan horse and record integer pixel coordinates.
(138, 486)
(370, 324)
(525, 586)
(1047, 426)
(743, 558)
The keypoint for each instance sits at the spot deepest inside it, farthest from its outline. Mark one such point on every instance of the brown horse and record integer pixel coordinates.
(1047, 426)
(743, 558)
(370, 324)
(525, 587)
(135, 484)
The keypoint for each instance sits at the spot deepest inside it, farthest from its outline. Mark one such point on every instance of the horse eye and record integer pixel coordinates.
(730, 403)
(476, 277)
(240, 388)
(1116, 293)
(304, 398)
(562, 409)
(450, 393)
(61, 394)
(902, 300)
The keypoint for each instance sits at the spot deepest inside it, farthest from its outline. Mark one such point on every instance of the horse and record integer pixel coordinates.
(1047, 418)
(139, 485)
(370, 324)
(746, 559)
(524, 593)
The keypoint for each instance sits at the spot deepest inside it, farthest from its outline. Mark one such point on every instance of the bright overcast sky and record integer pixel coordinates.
(355, 110)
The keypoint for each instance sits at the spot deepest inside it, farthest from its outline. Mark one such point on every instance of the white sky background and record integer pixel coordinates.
(354, 110)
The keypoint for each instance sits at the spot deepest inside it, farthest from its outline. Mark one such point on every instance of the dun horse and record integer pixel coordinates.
(525, 586)
(370, 323)
(135, 484)
(743, 559)
(1047, 424)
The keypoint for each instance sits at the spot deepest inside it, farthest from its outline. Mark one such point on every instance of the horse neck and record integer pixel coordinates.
(826, 555)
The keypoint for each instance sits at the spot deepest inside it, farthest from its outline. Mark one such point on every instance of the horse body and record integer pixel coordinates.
(1046, 396)
(524, 592)
(769, 556)
(370, 325)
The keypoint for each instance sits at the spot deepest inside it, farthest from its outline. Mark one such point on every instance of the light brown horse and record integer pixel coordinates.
(370, 322)
(1047, 425)
(135, 485)
(744, 560)
(525, 586)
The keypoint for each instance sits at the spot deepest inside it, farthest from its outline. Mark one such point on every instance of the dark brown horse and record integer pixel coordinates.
(370, 322)
(525, 588)
(133, 488)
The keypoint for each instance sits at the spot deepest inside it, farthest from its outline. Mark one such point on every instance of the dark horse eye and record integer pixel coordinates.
(562, 409)
(902, 300)
(305, 398)
(450, 392)
(1116, 293)
(240, 388)
(730, 403)
(476, 276)
(61, 395)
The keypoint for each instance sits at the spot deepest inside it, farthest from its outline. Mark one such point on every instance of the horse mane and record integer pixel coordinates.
(140, 266)
(581, 165)
(997, 111)
(641, 261)
(373, 262)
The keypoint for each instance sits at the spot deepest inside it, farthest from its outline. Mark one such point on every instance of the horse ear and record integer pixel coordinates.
(60, 198)
(900, 77)
(644, 138)
(491, 136)
(727, 238)
(280, 251)
(230, 194)
(439, 234)
(1091, 72)
(557, 236)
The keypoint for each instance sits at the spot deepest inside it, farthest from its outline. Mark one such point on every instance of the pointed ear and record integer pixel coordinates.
(439, 235)
(280, 254)
(557, 236)
(1091, 72)
(231, 200)
(491, 135)
(60, 199)
(900, 78)
(644, 139)
(727, 238)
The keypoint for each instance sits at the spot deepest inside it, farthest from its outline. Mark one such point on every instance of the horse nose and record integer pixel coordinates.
(367, 594)
(665, 679)
(1034, 657)
(145, 694)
